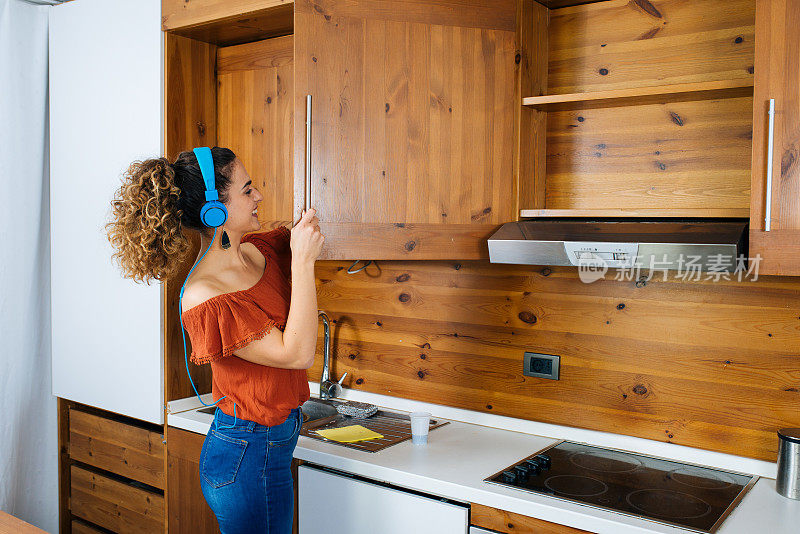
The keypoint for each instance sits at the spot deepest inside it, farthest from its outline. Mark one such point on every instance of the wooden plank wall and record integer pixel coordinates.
(714, 365)
(622, 44)
(681, 155)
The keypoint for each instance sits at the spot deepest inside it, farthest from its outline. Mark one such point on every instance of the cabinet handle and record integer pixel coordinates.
(768, 211)
(308, 152)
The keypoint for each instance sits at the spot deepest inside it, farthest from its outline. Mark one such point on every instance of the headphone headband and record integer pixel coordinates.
(206, 162)
(213, 213)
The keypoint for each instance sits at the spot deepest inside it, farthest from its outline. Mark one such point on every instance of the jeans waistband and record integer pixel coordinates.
(225, 420)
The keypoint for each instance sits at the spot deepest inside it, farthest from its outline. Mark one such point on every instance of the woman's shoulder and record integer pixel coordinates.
(200, 291)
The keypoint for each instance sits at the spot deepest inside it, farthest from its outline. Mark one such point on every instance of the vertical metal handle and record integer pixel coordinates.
(771, 135)
(308, 152)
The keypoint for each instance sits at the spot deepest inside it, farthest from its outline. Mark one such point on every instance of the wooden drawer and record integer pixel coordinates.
(115, 505)
(127, 450)
(511, 523)
(79, 527)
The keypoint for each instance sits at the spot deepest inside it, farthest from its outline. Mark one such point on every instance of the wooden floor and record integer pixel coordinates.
(714, 365)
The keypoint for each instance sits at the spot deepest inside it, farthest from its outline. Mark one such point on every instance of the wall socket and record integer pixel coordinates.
(541, 365)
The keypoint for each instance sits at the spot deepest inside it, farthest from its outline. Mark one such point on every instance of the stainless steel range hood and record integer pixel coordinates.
(661, 244)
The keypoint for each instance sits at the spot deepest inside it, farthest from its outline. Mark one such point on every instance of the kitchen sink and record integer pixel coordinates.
(321, 414)
(395, 427)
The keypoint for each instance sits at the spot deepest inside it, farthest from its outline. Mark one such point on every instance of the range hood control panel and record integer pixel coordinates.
(612, 255)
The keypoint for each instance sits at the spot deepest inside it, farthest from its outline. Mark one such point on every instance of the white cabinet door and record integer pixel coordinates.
(338, 504)
(106, 71)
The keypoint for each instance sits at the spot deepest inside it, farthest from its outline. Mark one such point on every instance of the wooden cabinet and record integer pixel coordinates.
(776, 183)
(511, 523)
(117, 506)
(188, 511)
(111, 471)
(411, 125)
(638, 109)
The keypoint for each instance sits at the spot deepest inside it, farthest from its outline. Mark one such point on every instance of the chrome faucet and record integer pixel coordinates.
(328, 389)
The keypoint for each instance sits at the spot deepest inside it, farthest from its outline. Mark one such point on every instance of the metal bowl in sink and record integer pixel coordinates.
(314, 409)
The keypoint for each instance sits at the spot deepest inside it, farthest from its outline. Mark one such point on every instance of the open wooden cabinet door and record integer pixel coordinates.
(411, 130)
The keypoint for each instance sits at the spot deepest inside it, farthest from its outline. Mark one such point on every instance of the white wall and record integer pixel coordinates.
(28, 433)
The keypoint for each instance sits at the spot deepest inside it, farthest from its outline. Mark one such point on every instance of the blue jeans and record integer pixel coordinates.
(245, 474)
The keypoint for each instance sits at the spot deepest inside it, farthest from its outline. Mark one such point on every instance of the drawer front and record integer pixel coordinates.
(79, 527)
(511, 523)
(323, 495)
(115, 505)
(127, 450)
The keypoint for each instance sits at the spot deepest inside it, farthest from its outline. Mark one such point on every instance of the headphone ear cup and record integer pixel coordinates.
(213, 214)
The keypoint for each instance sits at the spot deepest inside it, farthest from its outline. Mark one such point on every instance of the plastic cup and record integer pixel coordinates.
(420, 423)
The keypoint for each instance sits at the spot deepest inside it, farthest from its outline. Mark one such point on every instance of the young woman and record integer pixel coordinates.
(250, 309)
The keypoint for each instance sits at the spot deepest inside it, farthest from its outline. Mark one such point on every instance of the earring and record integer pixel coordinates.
(226, 242)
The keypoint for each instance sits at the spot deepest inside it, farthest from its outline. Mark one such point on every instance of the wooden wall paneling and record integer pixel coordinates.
(115, 505)
(226, 22)
(676, 156)
(254, 114)
(188, 512)
(190, 121)
(698, 363)
(127, 450)
(400, 90)
(621, 44)
(530, 125)
(777, 75)
(511, 523)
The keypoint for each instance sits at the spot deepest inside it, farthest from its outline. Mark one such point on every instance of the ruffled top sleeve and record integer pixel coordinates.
(225, 323)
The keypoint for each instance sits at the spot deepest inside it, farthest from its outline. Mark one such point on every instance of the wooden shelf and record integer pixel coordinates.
(733, 213)
(643, 95)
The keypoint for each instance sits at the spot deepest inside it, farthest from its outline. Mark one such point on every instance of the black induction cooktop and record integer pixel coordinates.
(689, 496)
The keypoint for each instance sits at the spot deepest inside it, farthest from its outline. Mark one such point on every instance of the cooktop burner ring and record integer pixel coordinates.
(699, 478)
(576, 485)
(605, 461)
(680, 505)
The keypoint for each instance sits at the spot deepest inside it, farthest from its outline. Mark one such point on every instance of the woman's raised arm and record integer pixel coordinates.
(295, 347)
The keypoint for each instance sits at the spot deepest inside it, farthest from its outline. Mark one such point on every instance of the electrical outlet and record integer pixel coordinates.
(541, 365)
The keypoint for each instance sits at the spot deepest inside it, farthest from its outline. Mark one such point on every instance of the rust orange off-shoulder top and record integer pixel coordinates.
(222, 324)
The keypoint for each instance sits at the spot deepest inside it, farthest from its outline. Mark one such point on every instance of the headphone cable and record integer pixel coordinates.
(183, 333)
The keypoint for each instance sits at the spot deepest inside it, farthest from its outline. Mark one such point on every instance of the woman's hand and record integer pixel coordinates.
(306, 239)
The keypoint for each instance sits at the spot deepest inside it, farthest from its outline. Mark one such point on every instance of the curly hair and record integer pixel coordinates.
(155, 200)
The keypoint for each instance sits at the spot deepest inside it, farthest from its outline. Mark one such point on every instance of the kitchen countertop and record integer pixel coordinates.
(487, 443)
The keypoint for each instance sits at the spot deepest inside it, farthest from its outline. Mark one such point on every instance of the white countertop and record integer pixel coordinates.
(475, 445)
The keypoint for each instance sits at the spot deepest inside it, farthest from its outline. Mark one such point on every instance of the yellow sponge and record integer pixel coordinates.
(348, 434)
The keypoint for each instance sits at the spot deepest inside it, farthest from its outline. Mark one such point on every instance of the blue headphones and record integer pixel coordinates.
(213, 213)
